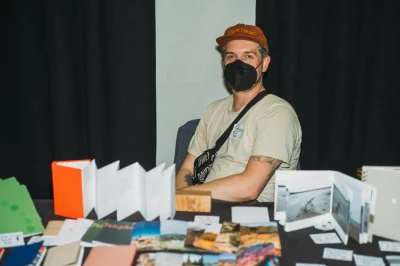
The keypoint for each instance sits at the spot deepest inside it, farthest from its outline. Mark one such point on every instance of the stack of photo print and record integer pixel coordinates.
(191, 243)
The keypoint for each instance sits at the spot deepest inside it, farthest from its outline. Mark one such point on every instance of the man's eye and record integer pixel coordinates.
(249, 56)
(229, 56)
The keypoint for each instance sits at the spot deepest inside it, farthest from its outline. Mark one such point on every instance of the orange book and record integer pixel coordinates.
(73, 187)
(105, 256)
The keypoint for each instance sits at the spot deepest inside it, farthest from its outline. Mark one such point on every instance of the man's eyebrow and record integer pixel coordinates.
(250, 52)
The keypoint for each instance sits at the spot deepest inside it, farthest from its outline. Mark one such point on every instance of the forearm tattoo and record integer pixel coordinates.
(188, 179)
(275, 163)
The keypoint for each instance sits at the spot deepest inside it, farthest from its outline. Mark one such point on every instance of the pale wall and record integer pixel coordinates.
(188, 65)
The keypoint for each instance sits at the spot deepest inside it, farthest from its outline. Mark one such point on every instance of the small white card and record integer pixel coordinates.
(206, 219)
(46, 241)
(338, 254)
(393, 260)
(309, 264)
(250, 214)
(11, 240)
(362, 260)
(389, 246)
(325, 238)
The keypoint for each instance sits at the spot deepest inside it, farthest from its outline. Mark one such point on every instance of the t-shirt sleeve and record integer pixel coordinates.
(276, 134)
(198, 143)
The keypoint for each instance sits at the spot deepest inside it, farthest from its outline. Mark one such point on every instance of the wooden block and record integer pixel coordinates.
(193, 201)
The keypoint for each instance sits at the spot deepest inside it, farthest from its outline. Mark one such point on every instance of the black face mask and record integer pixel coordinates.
(241, 76)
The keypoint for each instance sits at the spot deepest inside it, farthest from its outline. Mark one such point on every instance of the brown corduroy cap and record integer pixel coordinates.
(243, 32)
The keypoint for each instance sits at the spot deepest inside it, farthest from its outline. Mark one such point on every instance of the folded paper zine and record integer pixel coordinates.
(79, 187)
(307, 198)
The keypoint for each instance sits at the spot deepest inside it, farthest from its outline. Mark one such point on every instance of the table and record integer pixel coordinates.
(297, 246)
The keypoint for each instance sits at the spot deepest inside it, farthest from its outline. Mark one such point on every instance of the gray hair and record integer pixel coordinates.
(263, 51)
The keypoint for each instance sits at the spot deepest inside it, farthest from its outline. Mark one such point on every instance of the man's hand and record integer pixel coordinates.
(244, 186)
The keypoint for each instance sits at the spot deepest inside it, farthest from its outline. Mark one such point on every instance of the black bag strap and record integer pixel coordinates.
(228, 131)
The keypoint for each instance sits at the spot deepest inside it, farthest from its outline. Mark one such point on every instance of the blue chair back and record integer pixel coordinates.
(185, 134)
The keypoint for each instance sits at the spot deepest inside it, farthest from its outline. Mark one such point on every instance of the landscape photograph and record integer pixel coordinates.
(146, 259)
(191, 259)
(207, 239)
(260, 233)
(282, 197)
(308, 203)
(146, 235)
(172, 234)
(228, 239)
(210, 259)
(341, 209)
(255, 255)
(227, 259)
(168, 259)
(193, 230)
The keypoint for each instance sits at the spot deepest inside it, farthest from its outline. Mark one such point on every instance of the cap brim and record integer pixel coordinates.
(223, 40)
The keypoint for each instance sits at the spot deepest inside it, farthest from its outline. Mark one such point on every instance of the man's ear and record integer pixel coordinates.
(266, 62)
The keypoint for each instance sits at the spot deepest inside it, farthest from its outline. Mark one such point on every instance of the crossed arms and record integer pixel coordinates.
(239, 187)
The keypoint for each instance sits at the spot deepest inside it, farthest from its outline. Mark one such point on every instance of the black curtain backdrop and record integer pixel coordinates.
(337, 63)
(78, 82)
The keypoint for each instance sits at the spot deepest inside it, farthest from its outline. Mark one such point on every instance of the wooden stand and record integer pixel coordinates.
(193, 201)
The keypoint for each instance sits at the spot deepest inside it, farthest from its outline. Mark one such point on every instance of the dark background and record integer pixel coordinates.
(78, 81)
(337, 63)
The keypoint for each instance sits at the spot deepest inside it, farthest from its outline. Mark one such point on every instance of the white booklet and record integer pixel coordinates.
(307, 198)
(151, 193)
(79, 187)
(385, 205)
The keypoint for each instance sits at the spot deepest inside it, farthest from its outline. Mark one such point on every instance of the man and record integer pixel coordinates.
(267, 138)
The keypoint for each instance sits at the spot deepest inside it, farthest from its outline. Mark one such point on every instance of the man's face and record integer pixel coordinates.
(246, 51)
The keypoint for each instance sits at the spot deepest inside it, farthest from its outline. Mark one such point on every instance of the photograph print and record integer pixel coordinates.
(341, 212)
(227, 259)
(146, 259)
(172, 234)
(228, 240)
(282, 197)
(365, 219)
(306, 203)
(146, 235)
(210, 259)
(193, 230)
(168, 259)
(192, 259)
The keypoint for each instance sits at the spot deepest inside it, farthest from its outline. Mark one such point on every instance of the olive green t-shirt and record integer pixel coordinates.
(270, 128)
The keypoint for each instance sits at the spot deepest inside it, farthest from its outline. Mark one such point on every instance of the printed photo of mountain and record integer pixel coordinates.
(146, 235)
(172, 234)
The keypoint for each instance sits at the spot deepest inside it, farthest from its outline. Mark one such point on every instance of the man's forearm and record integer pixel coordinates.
(246, 185)
(181, 179)
(230, 188)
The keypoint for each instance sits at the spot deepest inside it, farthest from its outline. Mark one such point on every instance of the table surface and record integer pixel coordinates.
(297, 246)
